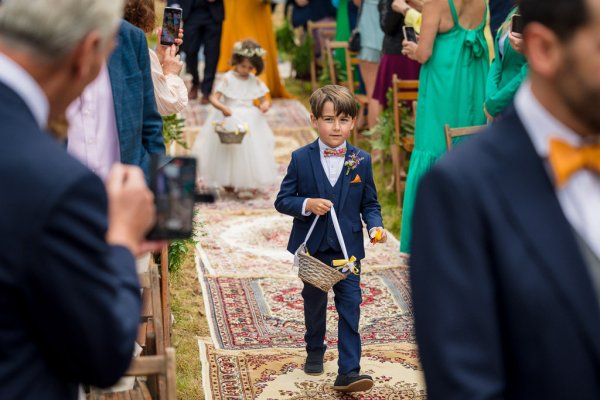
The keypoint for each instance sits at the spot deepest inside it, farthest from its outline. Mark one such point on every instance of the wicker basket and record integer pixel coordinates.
(318, 274)
(230, 136)
(315, 272)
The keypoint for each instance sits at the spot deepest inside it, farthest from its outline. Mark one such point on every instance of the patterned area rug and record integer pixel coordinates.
(277, 374)
(284, 114)
(254, 313)
(254, 307)
(229, 250)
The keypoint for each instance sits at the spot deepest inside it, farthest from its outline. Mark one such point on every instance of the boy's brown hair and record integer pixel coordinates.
(342, 99)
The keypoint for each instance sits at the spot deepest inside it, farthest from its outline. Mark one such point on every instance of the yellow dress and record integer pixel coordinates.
(251, 19)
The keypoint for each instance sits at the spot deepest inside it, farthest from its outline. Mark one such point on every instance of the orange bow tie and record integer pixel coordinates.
(566, 159)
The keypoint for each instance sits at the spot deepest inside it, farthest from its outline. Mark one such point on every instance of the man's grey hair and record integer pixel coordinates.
(53, 28)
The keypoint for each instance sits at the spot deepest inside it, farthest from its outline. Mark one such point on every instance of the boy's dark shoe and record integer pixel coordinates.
(353, 382)
(314, 362)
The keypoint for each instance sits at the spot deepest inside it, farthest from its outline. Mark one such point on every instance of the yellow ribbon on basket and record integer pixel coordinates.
(347, 264)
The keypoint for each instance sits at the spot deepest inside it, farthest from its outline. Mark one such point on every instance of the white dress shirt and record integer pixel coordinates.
(93, 133)
(19, 80)
(579, 198)
(332, 166)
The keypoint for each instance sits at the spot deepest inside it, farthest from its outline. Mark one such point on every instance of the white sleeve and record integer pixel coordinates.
(304, 212)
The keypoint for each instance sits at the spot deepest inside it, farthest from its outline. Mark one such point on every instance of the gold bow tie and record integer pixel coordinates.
(566, 159)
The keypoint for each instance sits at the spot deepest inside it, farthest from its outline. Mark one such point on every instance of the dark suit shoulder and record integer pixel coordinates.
(489, 152)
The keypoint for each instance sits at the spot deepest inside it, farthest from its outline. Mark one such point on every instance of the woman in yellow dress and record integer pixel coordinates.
(251, 19)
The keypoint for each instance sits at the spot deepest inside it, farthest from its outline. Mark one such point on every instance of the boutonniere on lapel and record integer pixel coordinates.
(352, 162)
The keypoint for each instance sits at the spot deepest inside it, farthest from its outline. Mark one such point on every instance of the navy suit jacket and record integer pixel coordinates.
(69, 303)
(315, 10)
(303, 180)
(215, 8)
(503, 302)
(138, 122)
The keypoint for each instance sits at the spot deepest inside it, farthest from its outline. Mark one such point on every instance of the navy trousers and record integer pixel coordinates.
(201, 30)
(348, 297)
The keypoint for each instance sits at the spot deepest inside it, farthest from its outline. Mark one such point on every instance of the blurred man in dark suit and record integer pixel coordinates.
(203, 22)
(505, 260)
(69, 294)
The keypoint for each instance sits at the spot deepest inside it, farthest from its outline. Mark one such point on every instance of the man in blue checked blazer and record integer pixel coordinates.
(324, 174)
(116, 119)
(138, 121)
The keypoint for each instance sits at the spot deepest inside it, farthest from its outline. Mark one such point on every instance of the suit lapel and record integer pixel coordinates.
(346, 177)
(531, 200)
(317, 167)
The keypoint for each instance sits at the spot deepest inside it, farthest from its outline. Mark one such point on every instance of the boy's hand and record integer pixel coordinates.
(318, 206)
(374, 234)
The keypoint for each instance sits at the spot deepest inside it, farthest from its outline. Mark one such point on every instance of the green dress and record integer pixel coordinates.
(451, 91)
(506, 73)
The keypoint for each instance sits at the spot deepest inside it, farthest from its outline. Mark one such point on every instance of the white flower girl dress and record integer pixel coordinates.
(250, 164)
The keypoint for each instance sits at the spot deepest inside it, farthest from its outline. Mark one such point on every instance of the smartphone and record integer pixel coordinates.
(517, 24)
(173, 182)
(409, 33)
(170, 26)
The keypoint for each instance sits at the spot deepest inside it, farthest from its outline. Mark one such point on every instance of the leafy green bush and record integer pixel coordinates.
(173, 130)
(301, 58)
(385, 124)
(284, 36)
(179, 249)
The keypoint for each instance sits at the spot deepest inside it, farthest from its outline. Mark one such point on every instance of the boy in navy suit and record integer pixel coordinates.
(331, 173)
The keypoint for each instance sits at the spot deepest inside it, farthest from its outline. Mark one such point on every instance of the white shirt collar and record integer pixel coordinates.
(539, 123)
(323, 146)
(16, 78)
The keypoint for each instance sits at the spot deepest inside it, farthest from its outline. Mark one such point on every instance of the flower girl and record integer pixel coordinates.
(250, 165)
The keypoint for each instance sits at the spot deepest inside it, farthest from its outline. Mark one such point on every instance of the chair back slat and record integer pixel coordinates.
(452, 133)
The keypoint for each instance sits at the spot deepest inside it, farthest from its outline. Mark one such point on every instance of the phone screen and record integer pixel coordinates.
(517, 24)
(173, 182)
(170, 27)
(410, 34)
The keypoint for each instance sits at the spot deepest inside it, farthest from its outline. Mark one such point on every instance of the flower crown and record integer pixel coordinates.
(246, 52)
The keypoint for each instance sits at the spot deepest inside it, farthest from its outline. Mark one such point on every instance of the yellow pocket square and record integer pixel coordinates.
(356, 179)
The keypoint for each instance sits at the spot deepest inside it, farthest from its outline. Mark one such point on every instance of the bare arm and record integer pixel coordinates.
(429, 29)
(215, 100)
(264, 104)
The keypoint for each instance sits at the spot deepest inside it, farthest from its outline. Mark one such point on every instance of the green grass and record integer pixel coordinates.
(190, 324)
(299, 89)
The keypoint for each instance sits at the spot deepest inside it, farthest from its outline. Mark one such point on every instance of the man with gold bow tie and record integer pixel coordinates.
(505, 263)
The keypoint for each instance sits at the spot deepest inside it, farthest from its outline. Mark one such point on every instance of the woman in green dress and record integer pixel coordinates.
(508, 70)
(455, 58)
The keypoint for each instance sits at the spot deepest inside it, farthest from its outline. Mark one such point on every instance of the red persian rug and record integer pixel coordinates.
(255, 313)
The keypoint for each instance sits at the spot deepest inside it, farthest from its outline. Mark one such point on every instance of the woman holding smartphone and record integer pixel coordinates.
(508, 69)
(455, 62)
(169, 89)
(392, 60)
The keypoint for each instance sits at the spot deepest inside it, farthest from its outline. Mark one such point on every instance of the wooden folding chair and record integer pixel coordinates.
(325, 30)
(162, 365)
(404, 91)
(363, 100)
(452, 133)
